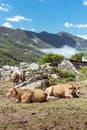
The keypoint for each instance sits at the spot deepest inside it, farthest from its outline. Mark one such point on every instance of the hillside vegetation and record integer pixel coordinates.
(12, 53)
(20, 45)
(14, 50)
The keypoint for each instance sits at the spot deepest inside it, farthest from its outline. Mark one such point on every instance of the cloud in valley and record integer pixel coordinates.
(66, 51)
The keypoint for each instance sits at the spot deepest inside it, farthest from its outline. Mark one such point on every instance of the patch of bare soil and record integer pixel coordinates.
(59, 114)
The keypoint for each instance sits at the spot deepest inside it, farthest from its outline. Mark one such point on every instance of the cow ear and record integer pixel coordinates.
(72, 85)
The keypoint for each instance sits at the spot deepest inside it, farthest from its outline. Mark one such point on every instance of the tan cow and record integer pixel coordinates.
(27, 95)
(63, 90)
(76, 85)
(16, 76)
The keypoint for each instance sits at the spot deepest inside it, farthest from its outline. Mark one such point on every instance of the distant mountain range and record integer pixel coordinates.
(18, 45)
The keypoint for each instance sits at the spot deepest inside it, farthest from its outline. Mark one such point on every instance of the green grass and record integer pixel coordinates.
(67, 114)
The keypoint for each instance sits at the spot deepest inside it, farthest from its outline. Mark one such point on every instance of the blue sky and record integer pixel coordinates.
(52, 16)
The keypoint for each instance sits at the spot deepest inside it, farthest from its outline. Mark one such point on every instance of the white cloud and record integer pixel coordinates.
(5, 7)
(85, 2)
(68, 25)
(32, 29)
(66, 51)
(18, 18)
(7, 24)
(82, 36)
(22, 28)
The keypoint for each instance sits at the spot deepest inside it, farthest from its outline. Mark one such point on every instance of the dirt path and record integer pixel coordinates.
(60, 114)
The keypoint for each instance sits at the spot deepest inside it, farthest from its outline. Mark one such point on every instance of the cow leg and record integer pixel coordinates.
(26, 98)
(68, 95)
(49, 93)
(51, 98)
(24, 101)
(18, 101)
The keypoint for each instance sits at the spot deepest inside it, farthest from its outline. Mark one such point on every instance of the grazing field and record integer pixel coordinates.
(58, 114)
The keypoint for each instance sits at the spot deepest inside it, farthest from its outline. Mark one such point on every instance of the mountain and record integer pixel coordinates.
(18, 45)
(62, 38)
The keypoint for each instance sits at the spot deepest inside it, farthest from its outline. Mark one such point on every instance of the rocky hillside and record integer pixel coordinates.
(20, 45)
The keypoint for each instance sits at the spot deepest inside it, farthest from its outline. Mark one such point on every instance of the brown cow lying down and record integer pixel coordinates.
(27, 95)
(63, 90)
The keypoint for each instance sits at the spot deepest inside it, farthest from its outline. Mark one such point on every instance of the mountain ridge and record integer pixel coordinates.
(18, 45)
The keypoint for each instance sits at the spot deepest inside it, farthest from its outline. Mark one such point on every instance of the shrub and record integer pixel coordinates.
(70, 79)
(78, 56)
(54, 81)
(47, 58)
(83, 71)
(64, 73)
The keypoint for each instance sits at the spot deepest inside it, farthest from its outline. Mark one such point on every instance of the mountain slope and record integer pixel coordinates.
(20, 45)
(12, 53)
(16, 46)
(62, 38)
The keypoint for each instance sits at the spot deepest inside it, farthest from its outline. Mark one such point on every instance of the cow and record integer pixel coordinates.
(76, 85)
(27, 95)
(16, 76)
(63, 91)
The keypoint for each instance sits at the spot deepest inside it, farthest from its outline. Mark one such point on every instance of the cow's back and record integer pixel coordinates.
(59, 90)
(38, 95)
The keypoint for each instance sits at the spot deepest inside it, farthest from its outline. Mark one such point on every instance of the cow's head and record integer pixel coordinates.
(12, 92)
(75, 89)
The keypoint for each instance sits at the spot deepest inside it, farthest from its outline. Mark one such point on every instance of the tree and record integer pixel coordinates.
(77, 56)
(47, 58)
